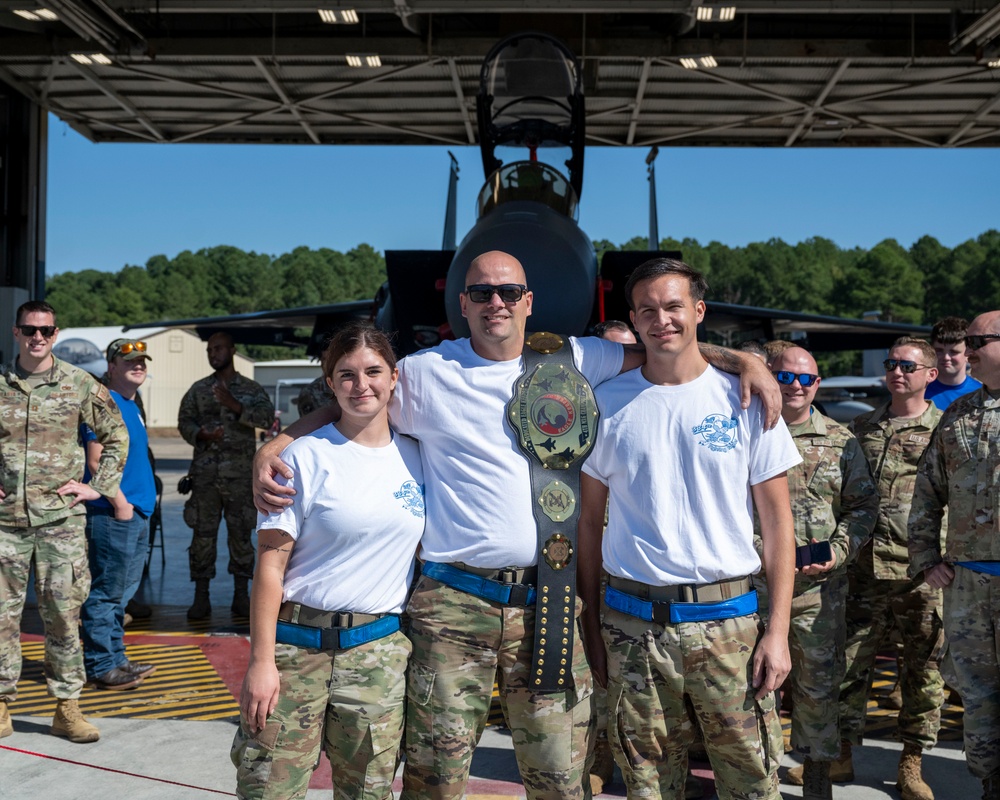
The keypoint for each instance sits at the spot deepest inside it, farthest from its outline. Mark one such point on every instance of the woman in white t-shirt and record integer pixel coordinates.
(328, 662)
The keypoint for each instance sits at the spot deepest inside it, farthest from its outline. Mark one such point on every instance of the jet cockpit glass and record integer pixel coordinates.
(532, 181)
(531, 78)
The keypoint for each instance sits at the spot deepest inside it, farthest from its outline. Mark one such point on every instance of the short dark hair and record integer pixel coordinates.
(752, 346)
(602, 328)
(949, 330)
(352, 337)
(776, 347)
(920, 344)
(34, 307)
(656, 267)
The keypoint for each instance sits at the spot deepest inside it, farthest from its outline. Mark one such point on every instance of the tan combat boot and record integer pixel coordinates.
(909, 782)
(6, 726)
(69, 722)
(841, 770)
(201, 608)
(816, 783)
(603, 770)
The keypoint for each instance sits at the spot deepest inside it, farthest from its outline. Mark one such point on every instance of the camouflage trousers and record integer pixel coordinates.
(664, 681)
(62, 583)
(816, 644)
(873, 607)
(461, 645)
(204, 510)
(972, 663)
(351, 703)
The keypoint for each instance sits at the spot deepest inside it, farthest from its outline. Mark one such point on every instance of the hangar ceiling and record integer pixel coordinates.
(788, 73)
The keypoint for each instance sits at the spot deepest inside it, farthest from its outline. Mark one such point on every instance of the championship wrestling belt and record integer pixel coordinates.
(554, 416)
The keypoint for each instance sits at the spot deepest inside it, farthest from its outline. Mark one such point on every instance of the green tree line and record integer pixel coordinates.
(919, 284)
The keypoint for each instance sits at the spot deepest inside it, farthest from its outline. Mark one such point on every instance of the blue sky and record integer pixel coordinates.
(111, 204)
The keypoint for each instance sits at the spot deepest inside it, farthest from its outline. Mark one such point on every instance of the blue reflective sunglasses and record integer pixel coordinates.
(788, 378)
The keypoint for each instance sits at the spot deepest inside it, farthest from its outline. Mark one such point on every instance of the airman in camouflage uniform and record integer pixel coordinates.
(44, 402)
(833, 499)
(960, 473)
(880, 595)
(314, 395)
(218, 415)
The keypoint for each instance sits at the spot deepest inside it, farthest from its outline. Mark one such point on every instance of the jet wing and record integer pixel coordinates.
(279, 327)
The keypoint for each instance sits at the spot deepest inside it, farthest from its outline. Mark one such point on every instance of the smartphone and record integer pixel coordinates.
(815, 553)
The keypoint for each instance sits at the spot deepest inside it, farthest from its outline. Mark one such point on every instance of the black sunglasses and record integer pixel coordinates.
(906, 367)
(975, 342)
(788, 378)
(509, 292)
(48, 331)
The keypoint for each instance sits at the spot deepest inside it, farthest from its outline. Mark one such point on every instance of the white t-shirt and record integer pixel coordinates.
(479, 506)
(679, 462)
(356, 519)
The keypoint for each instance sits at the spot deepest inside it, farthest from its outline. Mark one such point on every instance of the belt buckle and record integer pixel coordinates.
(343, 619)
(661, 611)
(518, 594)
(507, 576)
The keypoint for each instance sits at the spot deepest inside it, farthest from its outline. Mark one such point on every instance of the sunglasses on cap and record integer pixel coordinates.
(509, 292)
(906, 367)
(128, 347)
(48, 331)
(975, 342)
(788, 378)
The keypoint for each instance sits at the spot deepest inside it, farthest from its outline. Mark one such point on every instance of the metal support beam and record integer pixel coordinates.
(640, 92)
(818, 102)
(105, 88)
(460, 96)
(287, 103)
(971, 121)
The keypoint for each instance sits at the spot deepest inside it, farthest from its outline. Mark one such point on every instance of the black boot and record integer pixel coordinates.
(241, 598)
(201, 608)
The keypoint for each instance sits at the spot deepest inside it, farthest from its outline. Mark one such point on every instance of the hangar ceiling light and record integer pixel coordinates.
(91, 58)
(363, 60)
(693, 62)
(36, 14)
(339, 16)
(708, 13)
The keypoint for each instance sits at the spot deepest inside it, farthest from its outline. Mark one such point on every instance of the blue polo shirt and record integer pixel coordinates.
(943, 395)
(137, 479)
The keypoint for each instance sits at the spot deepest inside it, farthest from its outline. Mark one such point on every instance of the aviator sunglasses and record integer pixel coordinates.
(509, 292)
(975, 342)
(906, 367)
(128, 347)
(788, 378)
(48, 331)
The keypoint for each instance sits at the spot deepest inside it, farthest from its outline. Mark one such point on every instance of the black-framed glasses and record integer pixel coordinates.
(48, 331)
(805, 379)
(975, 342)
(906, 367)
(509, 292)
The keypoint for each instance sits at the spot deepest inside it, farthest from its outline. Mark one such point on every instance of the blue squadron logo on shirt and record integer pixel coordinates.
(412, 495)
(718, 432)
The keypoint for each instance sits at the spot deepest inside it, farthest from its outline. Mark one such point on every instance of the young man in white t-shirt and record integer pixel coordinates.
(685, 465)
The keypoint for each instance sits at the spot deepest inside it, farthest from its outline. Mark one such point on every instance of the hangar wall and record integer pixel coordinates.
(24, 132)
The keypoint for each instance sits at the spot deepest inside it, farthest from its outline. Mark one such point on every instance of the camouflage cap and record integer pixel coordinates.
(128, 349)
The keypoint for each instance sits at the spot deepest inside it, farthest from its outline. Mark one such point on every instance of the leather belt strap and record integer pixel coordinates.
(554, 417)
(526, 575)
(684, 593)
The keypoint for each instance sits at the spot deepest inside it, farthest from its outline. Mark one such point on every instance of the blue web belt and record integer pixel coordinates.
(335, 638)
(671, 612)
(988, 567)
(509, 594)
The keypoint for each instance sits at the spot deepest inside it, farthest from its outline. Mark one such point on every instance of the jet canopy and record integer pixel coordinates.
(528, 180)
(531, 95)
